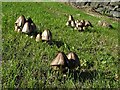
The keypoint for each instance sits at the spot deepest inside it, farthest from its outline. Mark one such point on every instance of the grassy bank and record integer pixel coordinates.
(26, 63)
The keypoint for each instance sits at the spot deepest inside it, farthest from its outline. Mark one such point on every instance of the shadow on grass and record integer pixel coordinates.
(57, 43)
(90, 30)
(83, 75)
(87, 75)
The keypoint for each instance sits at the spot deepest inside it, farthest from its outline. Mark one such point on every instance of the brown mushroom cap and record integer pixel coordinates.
(70, 18)
(20, 21)
(79, 24)
(47, 35)
(83, 22)
(60, 60)
(73, 60)
(68, 23)
(88, 23)
(76, 21)
(27, 28)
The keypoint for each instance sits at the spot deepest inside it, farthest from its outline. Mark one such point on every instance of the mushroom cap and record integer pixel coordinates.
(60, 60)
(106, 24)
(27, 28)
(47, 35)
(38, 37)
(31, 23)
(76, 21)
(29, 20)
(73, 60)
(79, 24)
(68, 23)
(83, 22)
(20, 21)
(84, 28)
(88, 23)
(70, 18)
(80, 29)
(33, 26)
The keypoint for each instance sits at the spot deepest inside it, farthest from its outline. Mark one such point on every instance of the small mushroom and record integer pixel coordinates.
(60, 62)
(70, 18)
(20, 22)
(73, 60)
(83, 22)
(79, 24)
(19, 30)
(80, 29)
(27, 28)
(84, 28)
(106, 24)
(88, 23)
(38, 37)
(77, 21)
(75, 28)
(68, 23)
(47, 36)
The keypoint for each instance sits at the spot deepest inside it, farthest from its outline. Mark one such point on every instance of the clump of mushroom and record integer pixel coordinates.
(79, 25)
(60, 62)
(82, 25)
(73, 60)
(26, 26)
(46, 36)
(104, 24)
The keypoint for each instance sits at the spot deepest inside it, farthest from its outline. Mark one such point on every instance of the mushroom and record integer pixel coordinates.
(60, 62)
(83, 22)
(47, 36)
(88, 23)
(20, 22)
(73, 60)
(104, 24)
(80, 29)
(76, 21)
(27, 28)
(38, 37)
(70, 18)
(79, 24)
(68, 23)
(31, 23)
(84, 28)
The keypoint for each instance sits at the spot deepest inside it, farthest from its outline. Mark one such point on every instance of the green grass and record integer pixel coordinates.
(26, 63)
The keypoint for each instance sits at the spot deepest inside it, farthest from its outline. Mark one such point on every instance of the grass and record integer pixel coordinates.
(26, 63)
